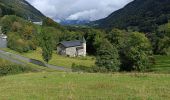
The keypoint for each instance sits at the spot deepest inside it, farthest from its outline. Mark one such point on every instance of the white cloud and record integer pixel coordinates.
(78, 9)
(83, 15)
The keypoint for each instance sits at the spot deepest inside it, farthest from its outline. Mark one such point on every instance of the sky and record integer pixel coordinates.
(78, 9)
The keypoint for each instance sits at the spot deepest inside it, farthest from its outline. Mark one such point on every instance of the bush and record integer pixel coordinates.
(81, 68)
(18, 44)
(13, 69)
(21, 33)
(136, 53)
(32, 45)
(92, 69)
(108, 57)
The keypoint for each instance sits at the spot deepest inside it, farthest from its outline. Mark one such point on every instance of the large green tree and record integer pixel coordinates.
(117, 38)
(136, 52)
(46, 43)
(107, 56)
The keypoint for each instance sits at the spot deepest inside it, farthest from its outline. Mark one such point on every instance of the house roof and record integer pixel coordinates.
(71, 43)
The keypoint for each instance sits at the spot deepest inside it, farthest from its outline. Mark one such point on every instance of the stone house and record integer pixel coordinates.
(72, 48)
(3, 39)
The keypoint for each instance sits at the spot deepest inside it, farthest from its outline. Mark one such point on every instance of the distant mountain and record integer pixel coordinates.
(141, 15)
(20, 8)
(74, 22)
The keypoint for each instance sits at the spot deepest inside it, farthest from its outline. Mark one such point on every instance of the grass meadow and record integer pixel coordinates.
(84, 86)
(46, 84)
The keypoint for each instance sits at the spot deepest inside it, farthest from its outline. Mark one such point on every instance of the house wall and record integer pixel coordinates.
(71, 51)
(80, 52)
(3, 43)
(84, 49)
(61, 50)
(0, 29)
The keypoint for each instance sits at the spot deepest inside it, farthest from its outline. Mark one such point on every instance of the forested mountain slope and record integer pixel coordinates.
(141, 15)
(20, 8)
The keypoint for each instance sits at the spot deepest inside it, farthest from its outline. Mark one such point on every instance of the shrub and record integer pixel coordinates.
(7, 68)
(135, 54)
(18, 44)
(13, 69)
(92, 69)
(21, 33)
(108, 57)
(81, 68)
(32, 45)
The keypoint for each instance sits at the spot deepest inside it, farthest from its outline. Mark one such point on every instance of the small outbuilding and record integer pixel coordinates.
(72, 48)
(3, 39)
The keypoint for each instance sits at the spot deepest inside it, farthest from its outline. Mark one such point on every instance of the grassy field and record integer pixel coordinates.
(162, 64)
(51, 85)
(57, 59)
(82, 86)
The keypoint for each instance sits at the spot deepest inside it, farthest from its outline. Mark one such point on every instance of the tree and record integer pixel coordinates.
(91, 36)
(16, 26)
(117, 38)
(46, 45)
(161, 40)
(27, 32)
(164, 45)
(136, 52)
(108, 57)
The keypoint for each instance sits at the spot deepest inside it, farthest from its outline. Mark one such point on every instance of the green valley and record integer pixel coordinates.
(125, 56)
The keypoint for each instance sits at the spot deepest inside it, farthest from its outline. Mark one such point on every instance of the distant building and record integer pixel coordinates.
(3, 39)
(38, 23)
(72, 48)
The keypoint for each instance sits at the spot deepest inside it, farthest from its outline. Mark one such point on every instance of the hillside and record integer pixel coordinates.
(20, 8)
(141, 15)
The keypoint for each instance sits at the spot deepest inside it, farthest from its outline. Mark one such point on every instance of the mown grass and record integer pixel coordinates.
(162, 64)
(83, 86)
(57, 59)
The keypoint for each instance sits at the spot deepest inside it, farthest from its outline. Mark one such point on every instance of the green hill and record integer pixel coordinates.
(20, 8)
(141, 15)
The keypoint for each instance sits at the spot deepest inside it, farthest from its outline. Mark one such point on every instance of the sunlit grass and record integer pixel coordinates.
(82, 86)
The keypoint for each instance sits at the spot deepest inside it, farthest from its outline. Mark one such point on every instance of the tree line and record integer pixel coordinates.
(115, 49)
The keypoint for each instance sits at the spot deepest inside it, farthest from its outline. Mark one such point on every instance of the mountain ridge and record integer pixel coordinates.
(20, 8)
(143, 14)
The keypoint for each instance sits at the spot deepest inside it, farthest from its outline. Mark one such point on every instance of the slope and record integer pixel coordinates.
(142, 15)
(20, 8)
